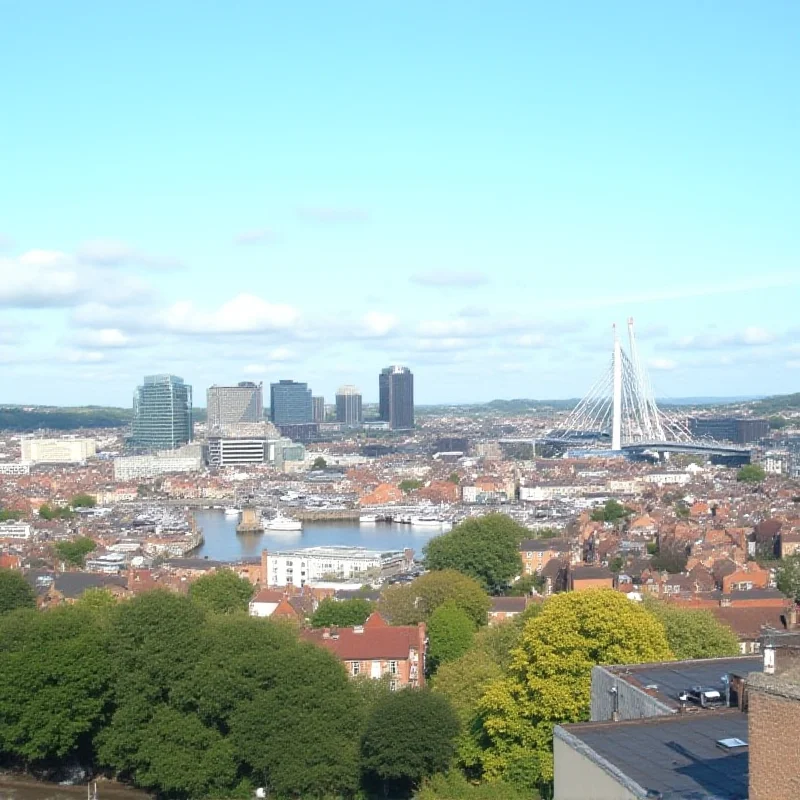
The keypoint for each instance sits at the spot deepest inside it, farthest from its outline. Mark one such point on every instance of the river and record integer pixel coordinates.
(222, 543)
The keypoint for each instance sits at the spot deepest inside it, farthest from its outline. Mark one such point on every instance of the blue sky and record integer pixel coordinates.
(263, 190)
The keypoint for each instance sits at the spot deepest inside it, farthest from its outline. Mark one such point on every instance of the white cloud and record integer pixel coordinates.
(115, 253)
(449, 278)
(662, 364)
(84, 356)
(749, 337)
(103, 337)
(442, 344)
(245, 313)
(280, 354)
(50, 278)
(377, 324)
(531, 340)
(255, 369)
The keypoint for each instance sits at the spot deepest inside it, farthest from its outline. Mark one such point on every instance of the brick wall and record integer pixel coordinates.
(774, 733)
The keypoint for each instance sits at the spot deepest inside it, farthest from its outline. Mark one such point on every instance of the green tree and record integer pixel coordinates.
(410, 736)
(611, 511)
(616, 564)
(454, 478)
(416, 601)
(409, 485)
(75, 552)
(450, 634)
(454, 786)
(55, 691)
(222, 592)
(48, 512)
(787, 577)
(751, 473)
(550, 676)
(7, 515)
(670, 557)
(341, 613)
(547, 533)
(83, 501)
(319, 463)
(484, 548)
(15, 592)
(693, 633)
(525, 585)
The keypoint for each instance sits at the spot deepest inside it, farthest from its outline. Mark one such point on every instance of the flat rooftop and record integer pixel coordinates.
(677, 755)
(337, 551)
(666, 680)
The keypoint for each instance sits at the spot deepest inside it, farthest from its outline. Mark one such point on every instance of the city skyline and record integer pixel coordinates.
(474, 191)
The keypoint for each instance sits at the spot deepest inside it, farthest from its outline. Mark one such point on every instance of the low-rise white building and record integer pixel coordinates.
(666, 478)
(184, 459)
(313, 564)
(15, 468)
(15, 530)
(57, 451)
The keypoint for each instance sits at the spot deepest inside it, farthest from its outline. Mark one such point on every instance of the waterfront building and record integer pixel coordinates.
(162, 413)
(348, 406)
(318, 409)
(229, 405)
(240, 444)
(57, 451)
(183, 459)
(396, 397)
(335, 563)
(290, 403)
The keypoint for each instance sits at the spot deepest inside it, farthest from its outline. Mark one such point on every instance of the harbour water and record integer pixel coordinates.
(222, 543)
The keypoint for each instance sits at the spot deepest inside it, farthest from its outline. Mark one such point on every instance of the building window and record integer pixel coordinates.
(393, 686)
(356, 667)
(393, 668)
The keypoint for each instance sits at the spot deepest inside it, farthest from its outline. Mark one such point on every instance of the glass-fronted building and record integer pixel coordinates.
(162, 413)
(348, 406)
(231, 405)
(396, 397)
(290, 403)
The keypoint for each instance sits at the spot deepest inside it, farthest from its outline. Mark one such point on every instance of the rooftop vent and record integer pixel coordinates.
(733, 743)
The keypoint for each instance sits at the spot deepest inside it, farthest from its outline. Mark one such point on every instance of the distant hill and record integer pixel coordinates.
(25, 419)
(774, 405)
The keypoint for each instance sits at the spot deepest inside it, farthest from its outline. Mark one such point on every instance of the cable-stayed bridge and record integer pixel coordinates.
(620, 413)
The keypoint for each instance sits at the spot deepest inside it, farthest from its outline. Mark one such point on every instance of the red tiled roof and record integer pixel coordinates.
(373, 643)
(268, 596)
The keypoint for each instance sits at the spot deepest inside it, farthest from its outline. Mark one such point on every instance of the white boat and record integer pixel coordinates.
(426, 521)
(232, 512)
(368, 519)
(281, 523)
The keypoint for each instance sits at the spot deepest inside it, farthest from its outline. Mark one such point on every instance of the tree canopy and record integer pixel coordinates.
(409, 736)
(485, 548)
(450, 633)
(693, 633)
(15, 592)
(83, 501)
(341, 613)
(787, 577)
(416, 601)
(751, 473)
(409, 484)
(222, 592)
(549, 679)
(611, 511)
(319, 463)
(48, 512)
(74, 553)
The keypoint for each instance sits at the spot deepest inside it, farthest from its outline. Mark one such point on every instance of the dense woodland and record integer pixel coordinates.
(188, 697)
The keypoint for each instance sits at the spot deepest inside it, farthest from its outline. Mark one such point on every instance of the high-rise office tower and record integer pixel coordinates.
(318, 409)
(348, 406)
(230, 405)
(290, 403)
(396, 397)
(162, 413)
